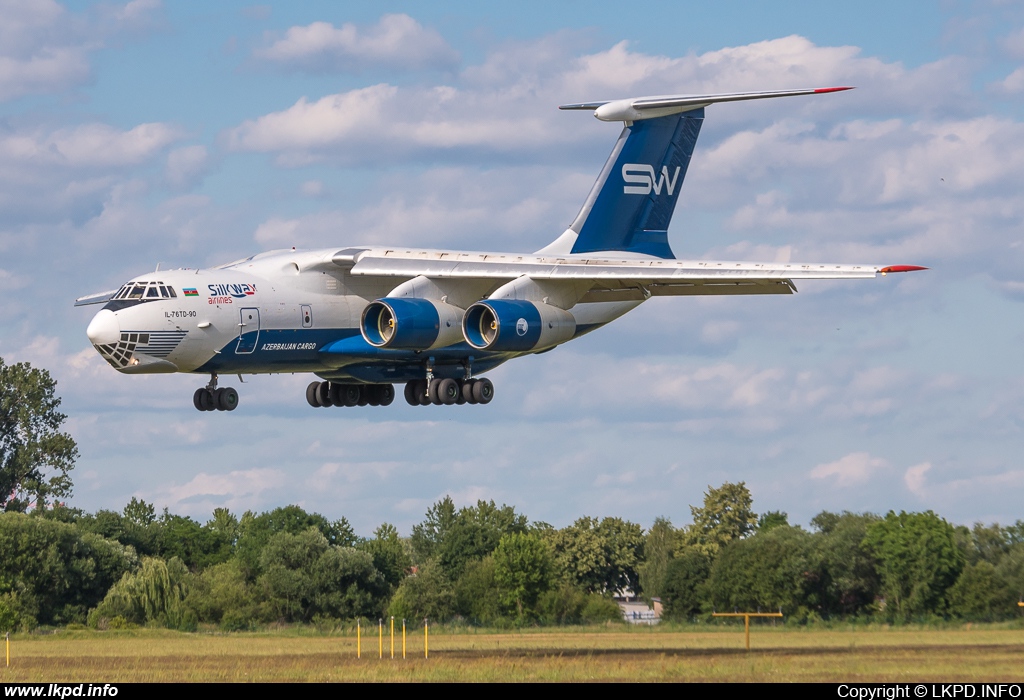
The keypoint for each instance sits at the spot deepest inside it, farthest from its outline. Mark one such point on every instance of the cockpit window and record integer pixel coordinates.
(145, 291)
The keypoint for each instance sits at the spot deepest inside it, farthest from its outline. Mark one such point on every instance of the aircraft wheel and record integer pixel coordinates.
(207, 400)
(197, 399)
(432, 394)
(323, 394)
(410, 394)
(385, 394)
(364, 394)
(227, 399)
(311, 393)
(337, 394)
(447, 391)
(467, 390)
(462, 392)
(371, 394)
(483, 390)
(349, 394)
(422, 392)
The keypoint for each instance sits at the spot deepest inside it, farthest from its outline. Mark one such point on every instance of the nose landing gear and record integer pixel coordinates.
(210, 398)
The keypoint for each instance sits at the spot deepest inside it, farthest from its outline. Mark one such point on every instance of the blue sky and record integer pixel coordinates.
(188, 134)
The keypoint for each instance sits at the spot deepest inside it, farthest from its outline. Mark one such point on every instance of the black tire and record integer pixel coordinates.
(462, 392)
(227, 399)
(364, 394)
(323, 394)
(447, 391)
(350, 394)
(467, 390)
(311, 391)
(410, 394)
(422, 393)
(207, 400)
(197, 399)
(337, 394)
(432, 395)
(483, 390)
(371, 394)
(385, 394)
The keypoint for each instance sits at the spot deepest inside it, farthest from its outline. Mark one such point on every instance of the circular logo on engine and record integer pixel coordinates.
(522, 326)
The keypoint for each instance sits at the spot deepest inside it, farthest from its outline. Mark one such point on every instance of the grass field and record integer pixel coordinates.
(986, 653)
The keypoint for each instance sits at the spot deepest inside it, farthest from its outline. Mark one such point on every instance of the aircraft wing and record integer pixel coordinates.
(610, 279)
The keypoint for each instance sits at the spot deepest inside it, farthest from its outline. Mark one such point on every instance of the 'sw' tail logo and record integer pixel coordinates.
(644, 180)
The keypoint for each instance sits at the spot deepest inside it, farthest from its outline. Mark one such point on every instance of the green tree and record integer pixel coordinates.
(475, 533)
(254, 531)
(522, 571)
(303, 575)
(428, 535)
(769, 571)
(389, 556)
(599, 556)
(772, 519)
(683, 592)
(917, 561)
(35, 456)
(55, 571)
(981, 595)
(850, 580)
(726, 516)
(155, 594)
(425, 594)
(659, 546)
(476, 593)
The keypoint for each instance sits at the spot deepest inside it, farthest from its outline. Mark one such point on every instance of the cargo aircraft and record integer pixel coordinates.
(365, 318)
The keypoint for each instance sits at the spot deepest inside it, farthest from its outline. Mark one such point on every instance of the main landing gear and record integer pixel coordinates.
(323, 394)
(210, 398)
(445, 392)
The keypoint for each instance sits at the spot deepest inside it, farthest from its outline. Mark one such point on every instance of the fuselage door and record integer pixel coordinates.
(248, 331)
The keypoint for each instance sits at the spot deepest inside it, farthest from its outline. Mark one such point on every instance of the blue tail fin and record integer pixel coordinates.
(631, 204)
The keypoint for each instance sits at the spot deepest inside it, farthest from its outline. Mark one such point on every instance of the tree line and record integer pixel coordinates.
(480, 564)
(490, 565)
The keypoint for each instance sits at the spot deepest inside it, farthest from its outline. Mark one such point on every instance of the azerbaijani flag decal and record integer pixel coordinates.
(190, 291)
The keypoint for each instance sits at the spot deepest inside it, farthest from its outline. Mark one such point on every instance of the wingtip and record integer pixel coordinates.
(901, 268)
(833, 89)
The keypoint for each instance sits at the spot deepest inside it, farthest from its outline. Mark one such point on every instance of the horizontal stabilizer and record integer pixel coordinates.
(634, 109)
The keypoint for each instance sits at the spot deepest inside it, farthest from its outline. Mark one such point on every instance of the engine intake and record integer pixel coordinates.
(410, 324)
(507, 325)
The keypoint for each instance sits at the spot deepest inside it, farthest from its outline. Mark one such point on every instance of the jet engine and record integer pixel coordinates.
(511, 325)
(410, 324)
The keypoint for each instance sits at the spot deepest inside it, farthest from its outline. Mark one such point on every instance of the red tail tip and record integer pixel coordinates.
(833, 89)
(901, 268)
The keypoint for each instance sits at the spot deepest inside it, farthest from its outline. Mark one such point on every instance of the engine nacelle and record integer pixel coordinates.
(410, 324)
(508, 325)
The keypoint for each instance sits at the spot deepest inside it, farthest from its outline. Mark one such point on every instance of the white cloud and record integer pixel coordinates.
(396, 41)
(854, 468)
(914, 478)
(236, 490)
(186, 166)
(45, 49)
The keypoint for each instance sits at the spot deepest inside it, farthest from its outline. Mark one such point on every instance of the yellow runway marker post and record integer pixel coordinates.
(392, 636)
(380, 637)
(359, 640)
(746, 620)
(426, 637)
(403, 637)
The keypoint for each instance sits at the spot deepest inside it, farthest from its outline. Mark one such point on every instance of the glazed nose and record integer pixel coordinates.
(104, 328)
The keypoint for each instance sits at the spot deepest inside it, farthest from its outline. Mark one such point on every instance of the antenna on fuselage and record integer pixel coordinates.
(158, 266)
